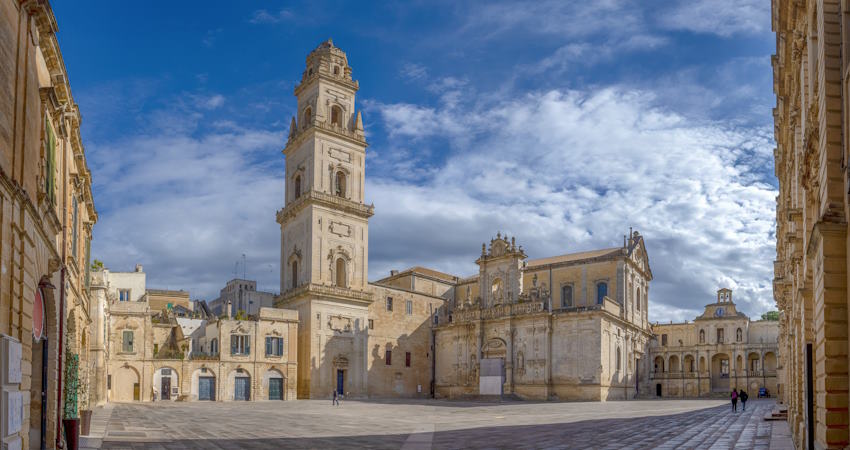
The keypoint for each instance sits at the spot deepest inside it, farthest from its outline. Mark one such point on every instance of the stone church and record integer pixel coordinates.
(567, 327)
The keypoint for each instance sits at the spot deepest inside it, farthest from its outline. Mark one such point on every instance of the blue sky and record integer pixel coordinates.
(562, 123)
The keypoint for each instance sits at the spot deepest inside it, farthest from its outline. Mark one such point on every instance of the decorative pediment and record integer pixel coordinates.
(340, 361)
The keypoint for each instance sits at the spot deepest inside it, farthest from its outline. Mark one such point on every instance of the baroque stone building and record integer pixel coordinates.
(154, 355)
(810, 79)
(46, 219)
(720, 350)
(352, 333)
(506, 332)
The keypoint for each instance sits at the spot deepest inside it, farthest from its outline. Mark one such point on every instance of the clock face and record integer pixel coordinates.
(719, 312)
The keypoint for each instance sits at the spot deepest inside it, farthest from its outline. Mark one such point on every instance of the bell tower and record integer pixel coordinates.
(324, 224)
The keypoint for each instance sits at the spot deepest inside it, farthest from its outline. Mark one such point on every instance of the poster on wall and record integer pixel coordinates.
(38, 315)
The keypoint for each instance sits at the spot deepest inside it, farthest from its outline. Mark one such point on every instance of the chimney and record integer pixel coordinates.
(139, 268)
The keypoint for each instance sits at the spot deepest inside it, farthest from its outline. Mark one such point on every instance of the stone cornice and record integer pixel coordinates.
(307, 130)
(308, 80)
(323, 292)
(322, 199)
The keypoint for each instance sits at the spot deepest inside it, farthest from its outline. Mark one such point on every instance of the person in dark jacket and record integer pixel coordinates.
(734, 400)
(336, 398)
(743, 396)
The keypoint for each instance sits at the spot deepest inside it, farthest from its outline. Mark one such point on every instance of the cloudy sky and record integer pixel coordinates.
(562, 123)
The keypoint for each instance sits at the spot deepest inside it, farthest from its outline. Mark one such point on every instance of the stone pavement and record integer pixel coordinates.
(423, 424)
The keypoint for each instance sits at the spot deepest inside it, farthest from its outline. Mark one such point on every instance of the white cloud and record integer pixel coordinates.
(720, 17)
(263, 16)
(567, 171)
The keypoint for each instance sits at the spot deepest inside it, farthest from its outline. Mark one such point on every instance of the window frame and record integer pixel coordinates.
(388, 357)
(407, 359)
(128, 345)
(241, 346)
(565, 288)
(408, 307)
(121, 296)
(274, 346)
(600, 295)
(389, 304)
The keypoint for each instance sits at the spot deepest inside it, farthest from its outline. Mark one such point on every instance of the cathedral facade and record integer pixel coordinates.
(569, 327)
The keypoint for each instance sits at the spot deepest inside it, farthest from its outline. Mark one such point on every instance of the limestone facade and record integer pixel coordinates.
(505, 332)
(810, 78)
(720, 350)
(242, 295)
(46, 215)
(155, 356)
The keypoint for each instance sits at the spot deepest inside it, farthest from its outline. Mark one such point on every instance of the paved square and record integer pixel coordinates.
(439, 424)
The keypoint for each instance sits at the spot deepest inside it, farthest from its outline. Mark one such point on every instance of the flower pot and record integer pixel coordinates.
(85, 422)
(72, 433)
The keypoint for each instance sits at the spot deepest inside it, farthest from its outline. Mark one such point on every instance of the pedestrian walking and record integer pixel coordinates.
(336, 398)
(734, 400)
(743, 396)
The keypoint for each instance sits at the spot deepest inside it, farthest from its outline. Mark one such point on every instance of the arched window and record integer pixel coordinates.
(294, 274)
(340, 184)
(308, 118)
(702, 336)
(637, 299)
(336, 116)
(496, 291)
(297, 186)
(340, 272)
(619, 359)
(601, 292)
(566, 296)
(214, 346)
(739, 335)
(336, 70)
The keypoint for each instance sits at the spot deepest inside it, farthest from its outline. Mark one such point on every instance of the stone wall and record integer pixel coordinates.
(810, 271)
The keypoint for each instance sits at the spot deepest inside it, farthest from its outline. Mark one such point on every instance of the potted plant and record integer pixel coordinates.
(85, 410)
(70, 420)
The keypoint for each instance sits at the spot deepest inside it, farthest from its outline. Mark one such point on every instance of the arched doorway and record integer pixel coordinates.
(166, 384)
(203, 385)
(673, 366)
(240, 380)
(659, 365)
(274, 385)
(688, 364)
(125, 385)
(491, 376)
(770, 363)
(720, 372)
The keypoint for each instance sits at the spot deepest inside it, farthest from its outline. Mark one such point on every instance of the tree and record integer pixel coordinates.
(770, 315)
(96, 265)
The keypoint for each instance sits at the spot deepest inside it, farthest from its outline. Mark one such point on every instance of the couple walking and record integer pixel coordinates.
(742, 395)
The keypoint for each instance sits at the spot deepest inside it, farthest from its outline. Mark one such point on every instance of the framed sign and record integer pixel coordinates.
(38, 315)
(10, 357)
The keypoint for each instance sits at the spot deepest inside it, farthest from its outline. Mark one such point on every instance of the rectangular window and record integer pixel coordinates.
(240, 344)
(127, 344)
(389, 303)
(274, 346)
(567, 296)
(109, 381)
(409, 307)
(50, 162)
(663, 339)
(371, 324)
(74, 228)
(155, 349)
(388, 356)
(406, 359)
(124, 295)
(88, 263)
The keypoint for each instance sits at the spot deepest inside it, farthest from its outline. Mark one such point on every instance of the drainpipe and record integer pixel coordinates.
(61, 343)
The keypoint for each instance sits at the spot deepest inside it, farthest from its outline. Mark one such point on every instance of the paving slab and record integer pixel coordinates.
(437, 424)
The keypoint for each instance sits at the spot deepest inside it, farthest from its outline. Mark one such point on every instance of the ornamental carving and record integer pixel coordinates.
(340, 229)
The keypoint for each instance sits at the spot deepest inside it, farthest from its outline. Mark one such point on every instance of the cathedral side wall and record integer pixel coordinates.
(400, 333)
